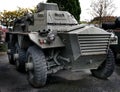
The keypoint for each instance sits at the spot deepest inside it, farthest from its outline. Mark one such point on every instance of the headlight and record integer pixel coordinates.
(50, 37)
(113, 39)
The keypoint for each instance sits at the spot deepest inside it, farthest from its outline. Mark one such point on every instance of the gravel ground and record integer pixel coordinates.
(13, 81)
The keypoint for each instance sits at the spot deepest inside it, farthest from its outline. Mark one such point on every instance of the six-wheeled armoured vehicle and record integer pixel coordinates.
(51, 40)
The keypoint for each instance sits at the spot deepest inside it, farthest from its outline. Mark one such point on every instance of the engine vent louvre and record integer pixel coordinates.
(93, 44)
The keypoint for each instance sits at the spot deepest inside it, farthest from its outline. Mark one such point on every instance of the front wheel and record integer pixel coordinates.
(36, 67)
(106, 68)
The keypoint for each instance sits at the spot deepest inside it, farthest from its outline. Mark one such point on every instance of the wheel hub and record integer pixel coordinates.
(16, 56)
(29, 66)
(9, 51)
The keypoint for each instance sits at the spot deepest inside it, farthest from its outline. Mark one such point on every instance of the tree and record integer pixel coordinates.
(72, 6)
(7, 17)
(101, 8)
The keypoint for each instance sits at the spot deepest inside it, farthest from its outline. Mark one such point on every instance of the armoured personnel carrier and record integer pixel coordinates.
(51, 40)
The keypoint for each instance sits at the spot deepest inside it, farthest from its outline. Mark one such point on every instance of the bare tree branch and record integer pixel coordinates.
(101, 8)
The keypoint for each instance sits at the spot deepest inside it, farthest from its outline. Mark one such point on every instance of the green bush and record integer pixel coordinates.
(3, 48)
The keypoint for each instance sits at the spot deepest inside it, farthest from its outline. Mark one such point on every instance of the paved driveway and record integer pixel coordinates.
(13, 81)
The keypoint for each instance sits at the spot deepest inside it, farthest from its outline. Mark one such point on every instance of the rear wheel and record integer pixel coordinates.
(106, 68)
(36, 67)
(11, 53)
(20, 61)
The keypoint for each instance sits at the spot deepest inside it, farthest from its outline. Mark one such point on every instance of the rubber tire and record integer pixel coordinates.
(106, 68)
(20, 63)
(11, 54)
(39, 67)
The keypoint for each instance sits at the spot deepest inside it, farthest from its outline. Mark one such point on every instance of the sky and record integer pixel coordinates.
(85, 6)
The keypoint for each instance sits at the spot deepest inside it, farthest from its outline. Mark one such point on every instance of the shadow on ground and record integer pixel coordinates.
(13, 81)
